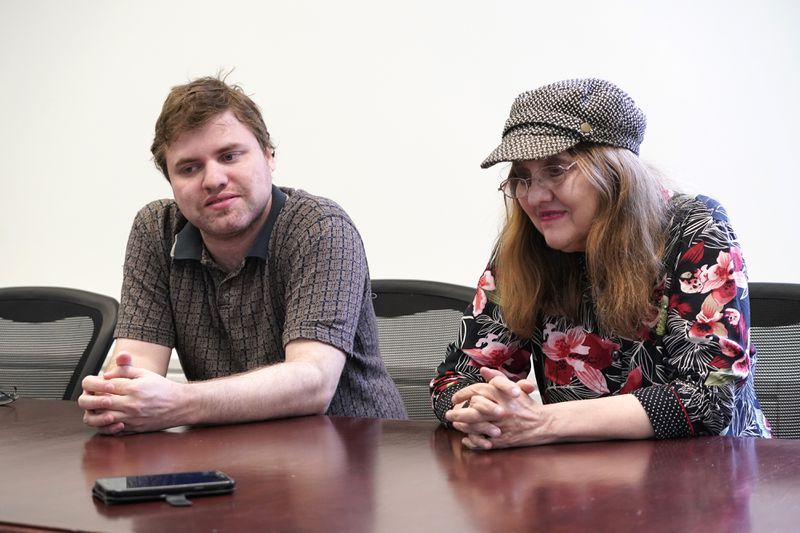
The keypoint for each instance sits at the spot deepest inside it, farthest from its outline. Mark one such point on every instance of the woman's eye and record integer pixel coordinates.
(522, 177)
(552, 172)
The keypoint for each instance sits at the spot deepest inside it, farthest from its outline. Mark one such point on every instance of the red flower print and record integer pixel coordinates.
(509, 359)
(695, 253)
(692, 279)
(732, 316)
(708, 322)
(633, 382)
(741, 357)
(577, 353)
(741, 367)
(486, 283)
(721, 279)
(692, 282)
(684, 308)
(724, 277)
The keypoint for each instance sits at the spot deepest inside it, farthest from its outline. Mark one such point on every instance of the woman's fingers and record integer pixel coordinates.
(478, 409)
(483, 389)
(475, 441)
(506, 386)
(486, 429)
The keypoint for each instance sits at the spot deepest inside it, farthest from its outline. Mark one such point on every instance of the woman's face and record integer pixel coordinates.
(562, 212)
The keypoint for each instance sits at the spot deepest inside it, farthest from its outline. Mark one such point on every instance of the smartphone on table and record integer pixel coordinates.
(175, 487)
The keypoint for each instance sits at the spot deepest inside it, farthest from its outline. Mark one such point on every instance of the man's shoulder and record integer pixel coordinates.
(305, 208)
(158, 209)
(159, 217)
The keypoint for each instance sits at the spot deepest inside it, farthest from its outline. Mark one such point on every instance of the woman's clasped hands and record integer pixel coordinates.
(499, 413)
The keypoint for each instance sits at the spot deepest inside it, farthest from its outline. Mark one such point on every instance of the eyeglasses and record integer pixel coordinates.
(8, 397)
(549, 177)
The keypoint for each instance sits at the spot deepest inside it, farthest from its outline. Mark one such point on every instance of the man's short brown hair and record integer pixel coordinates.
(192, 105)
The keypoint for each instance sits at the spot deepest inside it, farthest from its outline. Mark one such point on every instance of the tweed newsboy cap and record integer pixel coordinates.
(556, 117)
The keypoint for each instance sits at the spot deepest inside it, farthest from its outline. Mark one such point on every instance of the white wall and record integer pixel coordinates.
(387, 107)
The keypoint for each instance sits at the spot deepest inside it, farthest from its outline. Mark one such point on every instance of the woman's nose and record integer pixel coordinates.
(538, 193)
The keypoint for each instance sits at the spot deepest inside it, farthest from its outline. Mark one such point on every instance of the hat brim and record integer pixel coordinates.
(531, 142)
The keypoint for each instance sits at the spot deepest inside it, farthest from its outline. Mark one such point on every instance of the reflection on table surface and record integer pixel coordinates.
(637, 483)
(347, 474)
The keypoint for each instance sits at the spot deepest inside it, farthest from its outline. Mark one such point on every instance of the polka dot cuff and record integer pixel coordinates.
(444, 401)
(665, 412)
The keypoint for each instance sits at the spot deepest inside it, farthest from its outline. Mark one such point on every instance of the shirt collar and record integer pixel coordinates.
(188, 243)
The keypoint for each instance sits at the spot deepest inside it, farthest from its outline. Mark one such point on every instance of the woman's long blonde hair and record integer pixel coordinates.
(623, 258)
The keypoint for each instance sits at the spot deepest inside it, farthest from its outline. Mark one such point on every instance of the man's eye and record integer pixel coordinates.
(189, 169)
(231, 156)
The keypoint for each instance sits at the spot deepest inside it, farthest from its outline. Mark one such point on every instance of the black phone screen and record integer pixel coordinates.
(165, 480)
(129, 488)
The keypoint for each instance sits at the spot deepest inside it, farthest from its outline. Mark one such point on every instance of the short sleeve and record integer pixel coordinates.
(327, 280)
(145, 312)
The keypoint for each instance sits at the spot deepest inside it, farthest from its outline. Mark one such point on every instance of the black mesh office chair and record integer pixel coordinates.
(416, 321)
(51, 338)
(775, 330)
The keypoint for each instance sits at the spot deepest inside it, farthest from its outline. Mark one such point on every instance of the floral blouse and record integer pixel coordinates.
(691, 368)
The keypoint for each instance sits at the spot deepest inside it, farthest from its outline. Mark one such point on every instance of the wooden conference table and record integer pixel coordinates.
(361, 475)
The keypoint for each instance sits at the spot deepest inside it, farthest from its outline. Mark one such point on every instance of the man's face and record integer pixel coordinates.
(221, 179)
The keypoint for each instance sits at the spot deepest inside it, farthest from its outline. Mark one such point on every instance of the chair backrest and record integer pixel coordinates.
(775, 331)
(51, 338)
(416, 321)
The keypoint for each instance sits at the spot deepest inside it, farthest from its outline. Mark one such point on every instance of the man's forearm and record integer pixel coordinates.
(277, 391)
(302, 385)
(152, 357)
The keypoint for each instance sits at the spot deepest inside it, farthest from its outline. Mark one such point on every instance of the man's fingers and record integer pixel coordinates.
(93, 402)
(100, 419)
(123, 365)
(95, 385)
(124, 359)
(126, 371)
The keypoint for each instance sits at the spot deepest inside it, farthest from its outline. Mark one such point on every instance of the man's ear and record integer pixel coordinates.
(270, 155)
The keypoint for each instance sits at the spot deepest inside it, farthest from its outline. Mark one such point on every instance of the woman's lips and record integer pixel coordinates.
(549, 216)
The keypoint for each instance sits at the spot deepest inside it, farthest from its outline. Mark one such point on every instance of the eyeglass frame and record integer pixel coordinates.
(8, 397)
(545, 183)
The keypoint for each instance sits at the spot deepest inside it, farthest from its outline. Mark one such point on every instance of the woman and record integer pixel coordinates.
(629, 302)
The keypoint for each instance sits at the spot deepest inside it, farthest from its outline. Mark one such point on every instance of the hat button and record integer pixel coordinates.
(586, 128)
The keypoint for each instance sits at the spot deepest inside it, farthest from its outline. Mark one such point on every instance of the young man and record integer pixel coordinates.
(264, 292)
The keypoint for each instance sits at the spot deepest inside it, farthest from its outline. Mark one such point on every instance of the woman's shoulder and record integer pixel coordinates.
(686, 206)
(695, 218)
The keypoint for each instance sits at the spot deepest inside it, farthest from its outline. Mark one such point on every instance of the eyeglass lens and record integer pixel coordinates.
(548, 177)
(8, 397)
